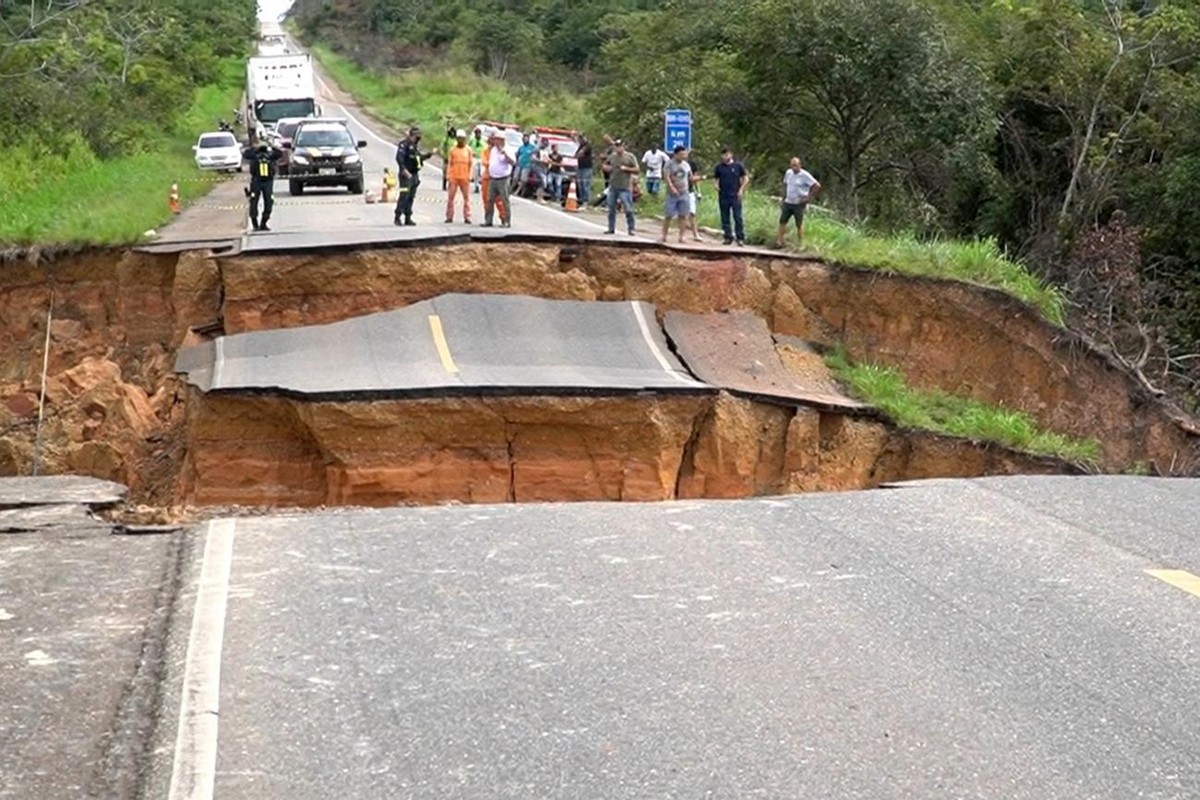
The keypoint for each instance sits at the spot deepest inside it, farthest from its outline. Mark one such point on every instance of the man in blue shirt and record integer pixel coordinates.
(732, 180)
(524, 164)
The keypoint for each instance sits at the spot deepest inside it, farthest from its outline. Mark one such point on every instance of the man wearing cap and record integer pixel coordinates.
(499, 168)
(623, 167)
(409, 159)
(458, 176)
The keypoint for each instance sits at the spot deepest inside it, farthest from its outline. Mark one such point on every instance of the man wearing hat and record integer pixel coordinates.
(262, 159)
(409, 159)
(459, 160)
(499, 170)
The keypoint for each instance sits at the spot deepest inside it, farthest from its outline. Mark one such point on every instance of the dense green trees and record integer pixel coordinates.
(108, 74)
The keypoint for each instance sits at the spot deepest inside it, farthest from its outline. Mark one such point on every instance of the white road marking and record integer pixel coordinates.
(39, 658)
(193, 775)
(658, 354)
(4, 615)
(218, 361)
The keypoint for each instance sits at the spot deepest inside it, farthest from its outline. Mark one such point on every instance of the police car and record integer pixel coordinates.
(324, 153)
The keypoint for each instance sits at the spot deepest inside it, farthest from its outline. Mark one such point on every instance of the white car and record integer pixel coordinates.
(218, 150)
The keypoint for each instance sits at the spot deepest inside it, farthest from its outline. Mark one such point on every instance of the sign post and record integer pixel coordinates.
(677, 129)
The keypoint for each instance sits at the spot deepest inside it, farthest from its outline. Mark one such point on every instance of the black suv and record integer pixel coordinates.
(325, 154)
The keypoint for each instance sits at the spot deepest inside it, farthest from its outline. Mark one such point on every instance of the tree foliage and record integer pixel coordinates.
(109, 73)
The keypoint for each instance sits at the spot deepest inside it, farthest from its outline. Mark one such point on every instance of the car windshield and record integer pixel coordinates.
(324, 137)
(217, 140)
(565, 146)
(286, 129)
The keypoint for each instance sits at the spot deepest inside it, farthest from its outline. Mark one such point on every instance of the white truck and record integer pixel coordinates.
(279, 86)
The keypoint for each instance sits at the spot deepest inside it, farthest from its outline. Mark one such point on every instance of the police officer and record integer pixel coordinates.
(262, 160)
(409, 159)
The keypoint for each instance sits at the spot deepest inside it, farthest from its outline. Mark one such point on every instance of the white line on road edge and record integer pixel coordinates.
(218, 362)
(193, 775)
(653, 345)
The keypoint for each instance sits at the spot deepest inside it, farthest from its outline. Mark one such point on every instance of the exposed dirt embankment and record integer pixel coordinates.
(267, 450)
(964, 339)
(115, 410)
(113, 407)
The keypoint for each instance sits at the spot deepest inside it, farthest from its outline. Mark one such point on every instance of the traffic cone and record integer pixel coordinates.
(573, 196)
(173, 199)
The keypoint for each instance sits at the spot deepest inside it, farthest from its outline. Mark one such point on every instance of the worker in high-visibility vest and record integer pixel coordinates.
(263, 160)
(459, 160)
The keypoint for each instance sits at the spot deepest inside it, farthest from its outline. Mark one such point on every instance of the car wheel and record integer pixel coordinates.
(296, 187)
(239, 168)
(355, 187)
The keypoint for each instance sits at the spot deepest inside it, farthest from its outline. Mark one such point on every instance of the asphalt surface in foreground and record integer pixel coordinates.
(995, 638)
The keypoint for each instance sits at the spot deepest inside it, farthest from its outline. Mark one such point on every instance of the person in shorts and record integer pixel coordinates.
(677, 177)
(799, 186)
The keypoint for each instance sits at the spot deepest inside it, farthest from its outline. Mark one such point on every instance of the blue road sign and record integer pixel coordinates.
(678, 129)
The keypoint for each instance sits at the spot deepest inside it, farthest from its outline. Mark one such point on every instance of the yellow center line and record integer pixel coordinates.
(1179, 578)
(439, 341)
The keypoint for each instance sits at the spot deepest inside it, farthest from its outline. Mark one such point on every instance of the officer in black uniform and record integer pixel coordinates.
(262, 181)
(409, 159)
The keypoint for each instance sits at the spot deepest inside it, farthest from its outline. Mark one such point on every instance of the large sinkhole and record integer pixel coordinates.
(533, 371)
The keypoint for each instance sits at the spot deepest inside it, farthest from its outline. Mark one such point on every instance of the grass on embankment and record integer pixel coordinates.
(885, 388)
(979, 261)
(453, 95)
(80, 199)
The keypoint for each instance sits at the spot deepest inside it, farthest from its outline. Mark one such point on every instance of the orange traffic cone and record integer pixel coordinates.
(573, 196)
(173, 199)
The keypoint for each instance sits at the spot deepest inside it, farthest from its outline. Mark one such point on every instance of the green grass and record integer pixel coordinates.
(79, 199)
(980, 261)
(455, 95)
(885, 388)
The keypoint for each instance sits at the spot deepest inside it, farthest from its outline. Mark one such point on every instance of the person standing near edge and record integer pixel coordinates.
(694, 195)
(499, 169)
(525, 155)
(677, 175)
(263, 166)
(458, 176)
(654, 159)
(447, 143)
(477, 144)
(732, 180)
(799, 186)
(409, 159)
(623, 168)
(583, 170)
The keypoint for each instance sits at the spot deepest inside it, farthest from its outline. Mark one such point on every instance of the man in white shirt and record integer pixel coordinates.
(500, 168)
(654, 159)
(799, 186)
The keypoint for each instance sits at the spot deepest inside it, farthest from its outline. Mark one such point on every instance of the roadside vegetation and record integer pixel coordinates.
(103, 101)
(826, 235)
(886, 389)
(449, 95)
(77, 197)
